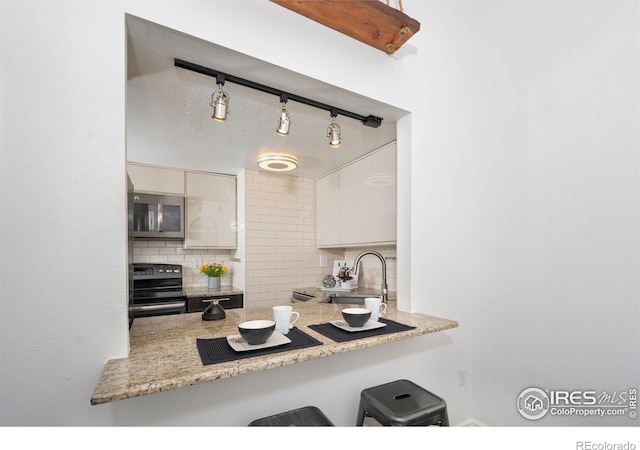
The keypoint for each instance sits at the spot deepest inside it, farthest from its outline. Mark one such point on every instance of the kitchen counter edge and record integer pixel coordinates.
(163, 353)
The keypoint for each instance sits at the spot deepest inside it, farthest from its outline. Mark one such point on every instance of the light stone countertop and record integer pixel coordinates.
(192, 292)
(164, 356)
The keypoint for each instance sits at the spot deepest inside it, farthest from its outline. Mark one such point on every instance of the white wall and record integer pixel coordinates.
(440, 161)
(556, 212)
(63, 231)
(473, 186)
(63, 152)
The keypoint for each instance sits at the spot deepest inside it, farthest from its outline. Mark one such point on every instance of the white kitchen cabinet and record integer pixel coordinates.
(383, 183)
(328, 224)
(356, 205)
(210, 219)
(156, 179)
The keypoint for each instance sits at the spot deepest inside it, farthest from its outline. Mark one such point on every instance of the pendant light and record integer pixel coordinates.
(285, 121)
(334, 133)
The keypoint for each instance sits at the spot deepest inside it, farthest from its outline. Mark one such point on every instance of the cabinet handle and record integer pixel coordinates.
(209, 300)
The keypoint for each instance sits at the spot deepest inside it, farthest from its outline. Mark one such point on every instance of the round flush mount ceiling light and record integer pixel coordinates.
(380, 179)
(277, 163)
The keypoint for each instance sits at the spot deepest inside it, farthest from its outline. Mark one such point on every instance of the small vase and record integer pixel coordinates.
(346, 284)
(213, 282)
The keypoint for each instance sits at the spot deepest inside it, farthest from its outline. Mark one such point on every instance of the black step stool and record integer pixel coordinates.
(402, 403)
(309, 416)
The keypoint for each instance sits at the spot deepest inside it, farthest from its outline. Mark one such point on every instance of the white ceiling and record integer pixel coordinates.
(168, 109)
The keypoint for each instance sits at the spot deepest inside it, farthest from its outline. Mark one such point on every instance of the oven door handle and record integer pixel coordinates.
(162, 307)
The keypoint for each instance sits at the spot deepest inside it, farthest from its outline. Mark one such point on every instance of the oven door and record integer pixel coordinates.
(158, 302)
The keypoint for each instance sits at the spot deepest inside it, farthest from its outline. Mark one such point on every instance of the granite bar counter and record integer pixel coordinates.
(163, 353)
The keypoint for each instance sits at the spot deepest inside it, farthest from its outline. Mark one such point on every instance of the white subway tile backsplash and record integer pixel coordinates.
(171, 252)
(279, 249)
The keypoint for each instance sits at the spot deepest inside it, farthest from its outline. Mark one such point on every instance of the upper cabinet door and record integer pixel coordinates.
(211, 217)
(357, 204)
(383, 183)
(156, 179)
(328, 202)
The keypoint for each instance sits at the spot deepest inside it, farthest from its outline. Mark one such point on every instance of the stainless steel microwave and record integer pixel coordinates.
(158, 216)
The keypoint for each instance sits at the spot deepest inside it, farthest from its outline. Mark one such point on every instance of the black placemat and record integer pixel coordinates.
(218, 350)
(339, 335)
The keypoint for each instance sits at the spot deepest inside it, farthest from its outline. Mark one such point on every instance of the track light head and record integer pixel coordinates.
(284, 122)
(334, 133)
(220, 103)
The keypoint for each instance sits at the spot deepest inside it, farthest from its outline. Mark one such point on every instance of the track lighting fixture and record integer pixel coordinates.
(334, 133)
(285, 121)
(220, 101)
(223, 99)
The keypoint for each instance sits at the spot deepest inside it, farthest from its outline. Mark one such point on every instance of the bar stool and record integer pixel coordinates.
(308, 416)
(402, 403)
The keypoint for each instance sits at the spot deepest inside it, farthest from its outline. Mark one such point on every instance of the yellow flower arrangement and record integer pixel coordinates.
(213, 269)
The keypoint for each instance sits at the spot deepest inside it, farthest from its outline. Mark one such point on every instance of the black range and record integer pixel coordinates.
(157, 291)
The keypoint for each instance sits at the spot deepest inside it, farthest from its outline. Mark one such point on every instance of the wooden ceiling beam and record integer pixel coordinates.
(370, 21)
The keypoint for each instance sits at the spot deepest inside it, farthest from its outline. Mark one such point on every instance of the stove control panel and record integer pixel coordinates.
(147, 271)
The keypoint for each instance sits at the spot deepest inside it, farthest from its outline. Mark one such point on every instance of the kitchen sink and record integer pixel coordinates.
(349, 299)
